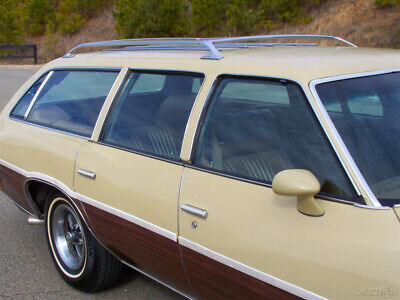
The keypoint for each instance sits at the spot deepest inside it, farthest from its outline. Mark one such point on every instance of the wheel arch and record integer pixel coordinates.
(37, 191)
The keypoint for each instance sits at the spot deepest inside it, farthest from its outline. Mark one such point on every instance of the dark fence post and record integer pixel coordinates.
(35, 54)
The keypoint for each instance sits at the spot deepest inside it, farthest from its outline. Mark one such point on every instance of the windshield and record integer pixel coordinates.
(366, 113)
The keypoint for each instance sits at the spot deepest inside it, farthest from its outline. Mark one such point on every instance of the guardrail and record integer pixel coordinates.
(18, 47)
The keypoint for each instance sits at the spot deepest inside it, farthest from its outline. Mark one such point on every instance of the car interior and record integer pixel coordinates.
(153, 122)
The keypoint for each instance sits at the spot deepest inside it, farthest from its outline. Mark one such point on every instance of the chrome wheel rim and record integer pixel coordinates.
(68, 236)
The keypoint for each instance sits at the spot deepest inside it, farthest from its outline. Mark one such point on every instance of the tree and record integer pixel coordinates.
(10, 27)
(241, 18)
(209, 16)
(387, 3)
(69, 16)
(151, 18)
(286, 10)
(36, 15)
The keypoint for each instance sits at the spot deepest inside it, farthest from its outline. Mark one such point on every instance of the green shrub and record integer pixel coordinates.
(242, 19)
(387, 3)
(232, 17)
(69, 17)
(209, 16)
(51, 40)
(151, 18)
(89, 8)
(36, 15)
(287, 10)
(11, 31)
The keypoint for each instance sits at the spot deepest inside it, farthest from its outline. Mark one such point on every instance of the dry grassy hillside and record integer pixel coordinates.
(359, 21)
(99, 28)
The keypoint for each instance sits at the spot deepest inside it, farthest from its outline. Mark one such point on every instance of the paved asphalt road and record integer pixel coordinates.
(26, 269)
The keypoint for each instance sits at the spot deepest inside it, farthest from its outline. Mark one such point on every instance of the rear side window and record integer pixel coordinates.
(152, 120)
(252, 137)
(149, 83)
(71, 100)
(253, 91)
(23, 104)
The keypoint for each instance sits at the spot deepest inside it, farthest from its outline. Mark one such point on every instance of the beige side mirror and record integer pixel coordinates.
(302, 184)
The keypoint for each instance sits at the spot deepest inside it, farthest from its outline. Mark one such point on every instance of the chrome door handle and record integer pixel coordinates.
(91, 175)
(194, 210)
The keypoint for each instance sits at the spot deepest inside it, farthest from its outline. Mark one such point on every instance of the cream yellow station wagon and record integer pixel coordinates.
(222, 168)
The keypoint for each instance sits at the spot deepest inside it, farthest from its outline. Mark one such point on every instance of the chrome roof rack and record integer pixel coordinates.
(206, 44)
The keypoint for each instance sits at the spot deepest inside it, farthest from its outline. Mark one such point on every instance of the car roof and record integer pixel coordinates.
(299, 63)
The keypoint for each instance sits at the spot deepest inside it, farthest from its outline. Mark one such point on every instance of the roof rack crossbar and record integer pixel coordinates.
(211, 44)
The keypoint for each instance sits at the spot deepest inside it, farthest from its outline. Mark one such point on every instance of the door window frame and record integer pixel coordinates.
(122, 87)
(204, 113)
(48, 74)
(353, 166)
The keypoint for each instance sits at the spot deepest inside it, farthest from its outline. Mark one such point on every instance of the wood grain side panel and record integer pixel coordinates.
(149, 251)
(213, 280)
(12, 183)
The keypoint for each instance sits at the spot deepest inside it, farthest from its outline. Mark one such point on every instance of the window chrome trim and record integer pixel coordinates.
(375, 202)
(165, 71)
(83, 68)
(203, 113)
(372, 207)
(28, 110)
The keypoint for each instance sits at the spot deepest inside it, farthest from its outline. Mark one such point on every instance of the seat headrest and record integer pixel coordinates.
(175, 109)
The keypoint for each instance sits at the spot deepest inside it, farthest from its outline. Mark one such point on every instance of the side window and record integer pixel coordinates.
(354, 100)
(366, 105)
(152, 120)
(23, 104)
(71, 100)
(149, 83)
(250, 91)
(255, 128)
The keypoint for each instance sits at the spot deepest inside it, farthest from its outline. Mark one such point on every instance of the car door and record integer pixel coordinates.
(241, 240)
(129, 180)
